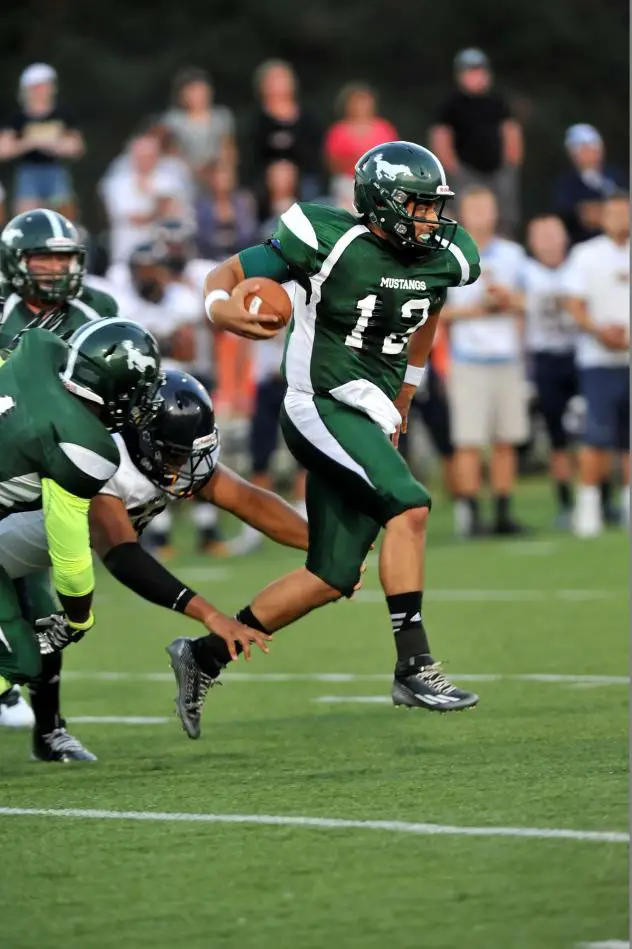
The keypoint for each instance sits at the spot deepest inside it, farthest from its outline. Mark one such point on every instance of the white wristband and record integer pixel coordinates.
(211, 298)
(414, 375)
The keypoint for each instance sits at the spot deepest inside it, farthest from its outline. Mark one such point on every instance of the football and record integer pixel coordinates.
(270, 298)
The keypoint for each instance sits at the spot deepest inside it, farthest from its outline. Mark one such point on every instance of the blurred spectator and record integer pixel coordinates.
(579, 193)
(201, 131)
(282, 187)
(282, 130)
(226, 214)
(39, 136)
(477, 139)
(487, 394)
(359, 129)
(551, 335)
(598, 285)
(162, 302)
(138, 190)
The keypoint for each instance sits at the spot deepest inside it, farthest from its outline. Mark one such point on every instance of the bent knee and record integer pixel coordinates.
(325, 591)
(414, 520)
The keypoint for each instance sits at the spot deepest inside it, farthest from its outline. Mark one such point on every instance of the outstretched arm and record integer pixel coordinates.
(262, 509)
(115, 541)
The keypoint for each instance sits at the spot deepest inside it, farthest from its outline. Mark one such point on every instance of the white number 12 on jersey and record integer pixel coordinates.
(394, 343)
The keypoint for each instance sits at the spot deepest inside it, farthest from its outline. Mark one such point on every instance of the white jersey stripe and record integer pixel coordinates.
(301, 342)
(53, 220)
(461, 259)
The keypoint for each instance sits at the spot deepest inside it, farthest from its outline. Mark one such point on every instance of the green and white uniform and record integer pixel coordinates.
(357, 304)
(55, 456)
(88, 305)
(37, 597)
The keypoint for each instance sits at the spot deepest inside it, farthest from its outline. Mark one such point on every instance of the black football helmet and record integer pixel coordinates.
(178, 449)
(387, 177)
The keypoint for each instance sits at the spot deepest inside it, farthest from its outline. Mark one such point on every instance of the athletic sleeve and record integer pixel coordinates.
(464, 259)
(68, 536)
(296, 240)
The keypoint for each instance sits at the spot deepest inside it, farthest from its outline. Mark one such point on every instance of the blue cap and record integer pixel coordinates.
(471, 59)
(582, 134)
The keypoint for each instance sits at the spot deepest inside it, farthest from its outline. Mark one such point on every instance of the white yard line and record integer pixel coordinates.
(608, 944)
(324, 823)
(342, 677)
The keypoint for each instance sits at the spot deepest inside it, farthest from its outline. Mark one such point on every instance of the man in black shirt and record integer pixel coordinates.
(40, 137)
(476, 138)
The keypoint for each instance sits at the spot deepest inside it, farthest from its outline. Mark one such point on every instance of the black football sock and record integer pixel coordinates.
(408, 627)
(474, 513)
(564, 493)
(211, 652)
(605, 489)
(502, 504)
(44, 694)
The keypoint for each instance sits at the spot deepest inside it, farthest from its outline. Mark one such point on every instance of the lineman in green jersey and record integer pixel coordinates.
(58, 404)
(42, 268)
(370, 290)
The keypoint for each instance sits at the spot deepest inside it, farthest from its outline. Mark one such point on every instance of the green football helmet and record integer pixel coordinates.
(115, 363)
(387, 177)
(41, 233)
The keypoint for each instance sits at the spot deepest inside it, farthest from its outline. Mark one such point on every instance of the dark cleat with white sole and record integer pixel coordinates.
(418, 686)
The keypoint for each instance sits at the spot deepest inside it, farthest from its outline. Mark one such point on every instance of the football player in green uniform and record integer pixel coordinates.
(371, 288)
(58, 405)
(42, 268)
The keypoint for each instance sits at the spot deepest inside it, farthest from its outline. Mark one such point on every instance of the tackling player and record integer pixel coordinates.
(370, 289)
(176, 455)
(58, 405)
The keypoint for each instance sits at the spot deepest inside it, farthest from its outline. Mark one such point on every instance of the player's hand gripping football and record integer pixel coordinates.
(233, 316)
(235, 633)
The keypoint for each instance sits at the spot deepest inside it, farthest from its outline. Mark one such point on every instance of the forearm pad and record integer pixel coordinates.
(135, 568)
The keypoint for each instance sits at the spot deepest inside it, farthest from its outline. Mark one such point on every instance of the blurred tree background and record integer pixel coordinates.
(561, 61)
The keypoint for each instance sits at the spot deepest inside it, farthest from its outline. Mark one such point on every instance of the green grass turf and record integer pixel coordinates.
(533, 754)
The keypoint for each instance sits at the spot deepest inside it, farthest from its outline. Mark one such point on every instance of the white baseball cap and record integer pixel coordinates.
(582, 134)
(37, 73)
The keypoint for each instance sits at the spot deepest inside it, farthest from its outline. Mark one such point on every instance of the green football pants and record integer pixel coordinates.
(19, 649)
(356, 482)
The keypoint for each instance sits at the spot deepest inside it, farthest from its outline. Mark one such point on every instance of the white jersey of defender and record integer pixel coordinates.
(23, 543)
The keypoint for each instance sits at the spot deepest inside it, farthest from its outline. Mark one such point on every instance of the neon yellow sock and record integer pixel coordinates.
(4, 685)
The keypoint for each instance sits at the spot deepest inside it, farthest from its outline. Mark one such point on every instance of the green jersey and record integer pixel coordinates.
(358, 301)
(45, 432)
(88, 305)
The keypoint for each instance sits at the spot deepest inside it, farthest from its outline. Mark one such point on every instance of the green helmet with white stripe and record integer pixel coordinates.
(394, 185)
(42, 257)
(115, 364)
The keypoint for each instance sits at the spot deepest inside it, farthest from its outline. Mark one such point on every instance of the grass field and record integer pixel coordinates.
(290, 736)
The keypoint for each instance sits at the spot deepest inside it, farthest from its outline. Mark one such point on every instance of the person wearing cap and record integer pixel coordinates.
(477, 139)
(40, 137)
(580, 192)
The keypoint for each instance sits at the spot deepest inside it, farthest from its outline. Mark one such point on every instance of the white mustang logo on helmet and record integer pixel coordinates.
(384, 169)
(136, 359)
